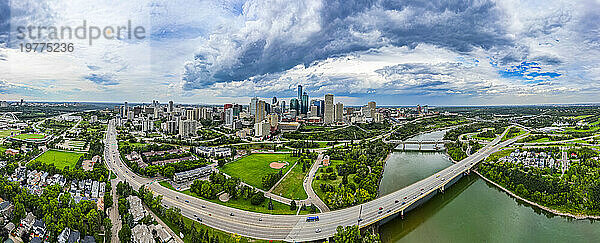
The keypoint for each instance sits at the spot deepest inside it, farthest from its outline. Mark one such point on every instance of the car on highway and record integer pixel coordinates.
(405, 197)
(203, 206)
(318, 231)
(199, 219)
(380, 208)
(176, 197)
(187, 201)
(396, 201)
(259, 219)
(231, 214)
(312, 218)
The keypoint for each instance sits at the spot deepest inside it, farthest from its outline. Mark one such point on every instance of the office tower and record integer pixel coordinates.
(274, 101)
(329, 109)
(253, 103)
(147, 125)
(267, 108)
(262, 129)
(283, 106)
(299, 92)
(273, 120)
(320, 104)
(314, 111)
(229, 115)
(187, 128)
(260, 111)
(294, 104)
(170, 108)
(372, 108)
(339, 112)
(304, 105)
(237, 108)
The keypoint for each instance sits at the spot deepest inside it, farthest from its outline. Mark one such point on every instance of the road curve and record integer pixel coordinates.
(294, 228)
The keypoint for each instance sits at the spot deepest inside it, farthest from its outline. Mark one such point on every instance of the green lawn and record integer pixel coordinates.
(509, 136)
(482, 138)
(278, 208)
(541, 140)
(291, 186)
(6, 133)
(34, 136)
(251, 169)
(497, 155)
(60, 159)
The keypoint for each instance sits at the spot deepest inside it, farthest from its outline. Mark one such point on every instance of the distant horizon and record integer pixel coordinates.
(378, 105)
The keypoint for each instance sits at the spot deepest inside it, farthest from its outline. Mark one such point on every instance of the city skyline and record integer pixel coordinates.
(393, 53)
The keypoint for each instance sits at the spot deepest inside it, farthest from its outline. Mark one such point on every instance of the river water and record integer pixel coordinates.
(471, 210)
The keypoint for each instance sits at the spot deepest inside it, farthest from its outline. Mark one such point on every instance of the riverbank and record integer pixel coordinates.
(553, 211)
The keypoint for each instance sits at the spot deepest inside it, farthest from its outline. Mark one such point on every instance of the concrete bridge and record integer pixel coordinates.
(438, 144)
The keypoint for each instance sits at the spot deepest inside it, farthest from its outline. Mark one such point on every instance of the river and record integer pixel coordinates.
(472, 210)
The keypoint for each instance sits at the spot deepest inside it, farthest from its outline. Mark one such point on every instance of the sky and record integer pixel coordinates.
(392, 52)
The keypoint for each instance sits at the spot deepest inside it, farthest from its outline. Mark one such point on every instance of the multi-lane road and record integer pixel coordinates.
(294, 228)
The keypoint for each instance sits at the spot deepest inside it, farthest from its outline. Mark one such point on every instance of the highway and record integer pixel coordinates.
(294, 228)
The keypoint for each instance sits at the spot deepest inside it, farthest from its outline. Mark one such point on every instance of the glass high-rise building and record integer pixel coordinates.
(294, 104)
(304, 103)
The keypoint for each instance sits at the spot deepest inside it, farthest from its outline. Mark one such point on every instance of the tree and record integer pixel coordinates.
(293, 205)
(349, 234)
(270, 204)
(125, 234)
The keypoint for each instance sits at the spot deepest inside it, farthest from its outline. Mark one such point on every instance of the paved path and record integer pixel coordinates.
(312, 195)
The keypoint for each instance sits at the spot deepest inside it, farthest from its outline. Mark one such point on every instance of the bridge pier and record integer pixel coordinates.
(402, 214)
(442, 189)
(403, 146)
(419, 145)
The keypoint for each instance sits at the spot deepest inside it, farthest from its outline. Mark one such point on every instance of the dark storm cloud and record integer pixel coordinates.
(343, 27)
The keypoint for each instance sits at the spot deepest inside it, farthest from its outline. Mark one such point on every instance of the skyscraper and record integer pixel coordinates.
(274, 101)
(304, 103)
(339, 112)
(372, 108)
(299, 99)
(283, 106)
(294, 104)
(329, 109)
(253, 103)
(170, 106)
(260, 111)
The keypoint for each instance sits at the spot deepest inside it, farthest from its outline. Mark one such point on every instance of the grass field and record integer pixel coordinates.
(509, 136)
(278, 208)
(251, 169)
(497, 155)
(6, 133)
(30, 136)
(291, 186)
(60, 159)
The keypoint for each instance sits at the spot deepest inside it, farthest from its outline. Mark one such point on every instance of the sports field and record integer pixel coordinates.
(60, 159)
(30, 136)
(252, 168)
(6, 133)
